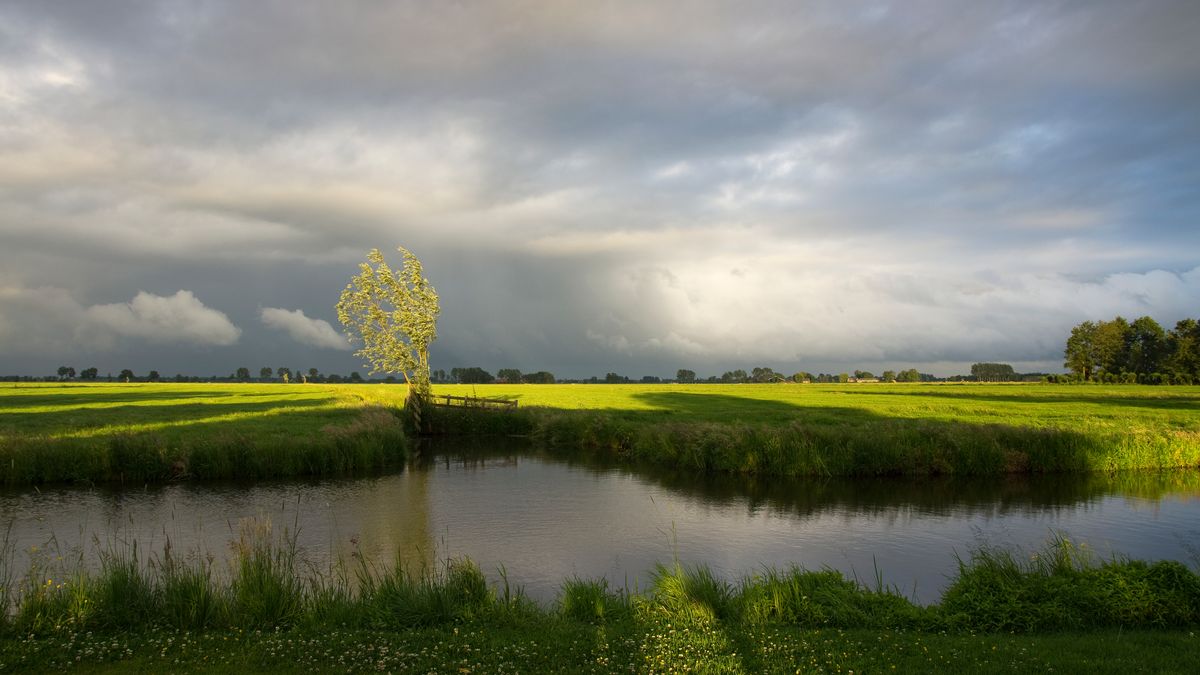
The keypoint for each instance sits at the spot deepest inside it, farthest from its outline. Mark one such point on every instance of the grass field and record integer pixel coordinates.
(146, 432)
(868, 429)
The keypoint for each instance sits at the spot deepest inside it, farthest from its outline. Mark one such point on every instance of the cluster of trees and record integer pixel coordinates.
(764, 374)
(993, 372)
(477, 375)
(243, 374)
(1137, 351)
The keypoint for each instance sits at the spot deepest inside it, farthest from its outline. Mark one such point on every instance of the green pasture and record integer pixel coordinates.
(144, 431)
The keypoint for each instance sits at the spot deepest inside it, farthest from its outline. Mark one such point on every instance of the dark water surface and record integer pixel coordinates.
(545, 519)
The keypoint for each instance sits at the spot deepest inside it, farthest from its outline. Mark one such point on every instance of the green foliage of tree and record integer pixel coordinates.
(1183, 342)
(393, 314)
(613, 378)
(1080, 353)
(265, 373)
(89, 373)
(765, 374)
(126, 375)
(863, 375)
(1121, 352)
(511, 375)
(802, 376)
(66, 372)
(910, 375)
(242, 374)
(540, 377)
(685, 376)
(888, 376)
(153, 376)
(472, 375)
(993, 372)
(1146, 346)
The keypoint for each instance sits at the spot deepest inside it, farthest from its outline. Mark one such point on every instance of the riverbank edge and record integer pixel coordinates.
(377, 438)
(882, 447)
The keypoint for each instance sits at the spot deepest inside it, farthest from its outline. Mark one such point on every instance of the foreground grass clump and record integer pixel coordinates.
(271, 611)
(139, 433)
(854, 430)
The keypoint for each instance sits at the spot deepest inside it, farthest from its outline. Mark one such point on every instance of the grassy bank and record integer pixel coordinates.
(1059, 608)
(854, 430)
(137, 433)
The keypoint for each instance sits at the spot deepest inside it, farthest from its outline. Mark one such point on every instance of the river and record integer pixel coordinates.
(542, 519)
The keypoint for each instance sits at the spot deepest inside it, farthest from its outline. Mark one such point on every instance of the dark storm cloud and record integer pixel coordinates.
(595, 186)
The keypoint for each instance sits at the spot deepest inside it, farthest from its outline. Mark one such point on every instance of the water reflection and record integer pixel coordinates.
(545, 518)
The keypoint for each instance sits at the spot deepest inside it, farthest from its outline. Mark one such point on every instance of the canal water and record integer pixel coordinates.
(539, 519)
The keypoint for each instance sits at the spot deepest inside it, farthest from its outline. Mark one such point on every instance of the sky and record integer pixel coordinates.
(598, 186)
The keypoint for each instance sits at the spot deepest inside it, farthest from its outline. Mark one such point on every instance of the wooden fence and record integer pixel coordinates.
(448, 401)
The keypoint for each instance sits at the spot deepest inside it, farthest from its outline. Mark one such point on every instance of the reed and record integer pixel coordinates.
(268, 588)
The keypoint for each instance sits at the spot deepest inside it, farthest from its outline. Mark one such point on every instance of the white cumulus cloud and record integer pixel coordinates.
(47, 320)
(305, 330)
(168, 319)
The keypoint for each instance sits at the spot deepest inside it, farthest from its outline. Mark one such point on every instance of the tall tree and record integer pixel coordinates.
(1111, 341)
(685, 376)
(1147, 346)
(89, 373)
(242, 374)
(1184, 344)
(66, 372)
(126, 375)
(1080, 354)
(265, 372)
(393, 314)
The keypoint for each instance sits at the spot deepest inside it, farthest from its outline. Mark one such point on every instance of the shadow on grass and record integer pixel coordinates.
(65, 402)
(127, 418)
(726, 433)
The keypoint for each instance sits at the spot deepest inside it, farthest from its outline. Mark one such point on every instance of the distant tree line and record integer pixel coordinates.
(1120, 351)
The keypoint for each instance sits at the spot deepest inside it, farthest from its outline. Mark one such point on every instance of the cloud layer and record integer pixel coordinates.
(611, 186)
(302, 329)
